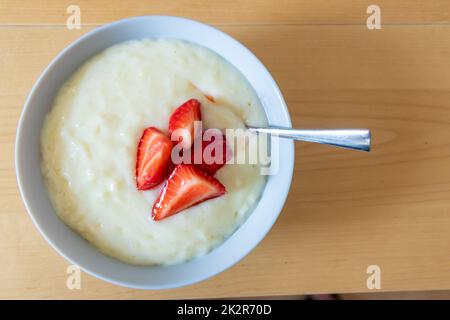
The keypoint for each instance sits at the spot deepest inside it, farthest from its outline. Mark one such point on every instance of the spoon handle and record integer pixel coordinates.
(358, 139)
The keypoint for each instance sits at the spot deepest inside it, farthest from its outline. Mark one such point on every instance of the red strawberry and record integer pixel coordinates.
(153, 158)
(183, 118)
(210, 162)
(185, 187)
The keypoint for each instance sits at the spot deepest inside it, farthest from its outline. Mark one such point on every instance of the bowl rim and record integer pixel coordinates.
(284, 190)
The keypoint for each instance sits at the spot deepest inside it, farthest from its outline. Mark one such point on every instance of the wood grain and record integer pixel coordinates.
(346, 210)
(304, 12)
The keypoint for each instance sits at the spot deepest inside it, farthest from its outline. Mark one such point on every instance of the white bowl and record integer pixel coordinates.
(77, 250)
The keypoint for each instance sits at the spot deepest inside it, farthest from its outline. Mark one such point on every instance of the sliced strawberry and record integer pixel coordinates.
(210, 161)
(185, 187)
(153, 158)
(183, 118)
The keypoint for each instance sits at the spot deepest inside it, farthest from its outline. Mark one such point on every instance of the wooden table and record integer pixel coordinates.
(346, 210)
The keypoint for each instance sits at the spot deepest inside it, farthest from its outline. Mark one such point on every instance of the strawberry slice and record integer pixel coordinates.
(153, 158)
(185, 187)
(210, 161)
(183, 118)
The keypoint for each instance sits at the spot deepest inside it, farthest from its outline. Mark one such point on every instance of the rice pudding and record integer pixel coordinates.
(89, 143)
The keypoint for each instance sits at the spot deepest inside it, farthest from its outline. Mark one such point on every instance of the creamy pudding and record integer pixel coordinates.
(89, 143)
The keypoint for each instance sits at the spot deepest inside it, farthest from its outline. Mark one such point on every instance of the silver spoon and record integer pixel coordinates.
(358, 139)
